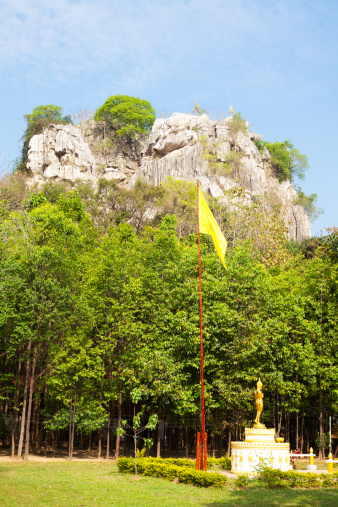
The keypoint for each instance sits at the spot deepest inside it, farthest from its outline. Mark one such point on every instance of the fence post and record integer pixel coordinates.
(197, 451)
(312, 462)
(330, 464)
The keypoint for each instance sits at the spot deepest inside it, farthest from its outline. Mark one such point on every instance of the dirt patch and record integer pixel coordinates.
(78, 455)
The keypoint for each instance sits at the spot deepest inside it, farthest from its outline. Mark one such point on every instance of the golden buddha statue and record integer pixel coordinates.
(259, 405)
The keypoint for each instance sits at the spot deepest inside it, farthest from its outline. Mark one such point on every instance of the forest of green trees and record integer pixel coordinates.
(100, 320)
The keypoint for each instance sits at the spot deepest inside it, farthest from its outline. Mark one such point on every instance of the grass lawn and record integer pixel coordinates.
(89, 484)
(321, 465)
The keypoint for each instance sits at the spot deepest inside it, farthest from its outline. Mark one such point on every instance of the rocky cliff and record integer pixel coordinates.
(183, 146)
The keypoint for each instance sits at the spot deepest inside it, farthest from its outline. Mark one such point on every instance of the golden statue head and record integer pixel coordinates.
(259, 384)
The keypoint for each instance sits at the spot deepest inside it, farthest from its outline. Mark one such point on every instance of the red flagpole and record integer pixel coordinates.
(202, 440)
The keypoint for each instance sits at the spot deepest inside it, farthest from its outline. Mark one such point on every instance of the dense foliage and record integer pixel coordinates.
(287, 162)
(129, 116)
(272, 479)
(182, 473)
(100, 322)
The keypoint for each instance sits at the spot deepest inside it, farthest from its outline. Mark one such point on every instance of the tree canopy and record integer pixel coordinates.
(129, 116)
(36, 121)
(99, 320)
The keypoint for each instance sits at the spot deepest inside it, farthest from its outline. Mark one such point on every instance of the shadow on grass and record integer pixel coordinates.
(288, 497)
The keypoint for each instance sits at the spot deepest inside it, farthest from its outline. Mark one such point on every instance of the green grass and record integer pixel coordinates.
(99, 484)
(321, 465)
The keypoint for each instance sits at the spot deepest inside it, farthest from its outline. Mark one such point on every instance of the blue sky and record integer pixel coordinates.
(274, 61)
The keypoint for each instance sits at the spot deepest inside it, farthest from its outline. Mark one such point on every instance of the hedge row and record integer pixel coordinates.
(212, 463)
(158, 467)
(277, 479)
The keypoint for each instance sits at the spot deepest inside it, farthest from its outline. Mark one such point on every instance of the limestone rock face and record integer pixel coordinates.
(64, 152)
(60, 152)
(180, 146)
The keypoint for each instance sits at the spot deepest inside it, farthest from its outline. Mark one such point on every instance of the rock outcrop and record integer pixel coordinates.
(182, 146)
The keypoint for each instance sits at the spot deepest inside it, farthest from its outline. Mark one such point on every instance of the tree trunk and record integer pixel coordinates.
(220, 445)
(108, 434)
(23, 415)
(229, 442)
(335, 452)
(45, 431)
(288, 426)
(302, 434)
(70, 423)
(307, 439)
(321, 425)
(125, 445)
(36, 425)
(110, 417)
(213, 446)
(158, 449)
(280, 417)
(119, 421)
(29, 411)
(16, 406)
(73, 429)
(187, 442)
(99, 449)
(169, 441)
(164, 441)
(46, 444)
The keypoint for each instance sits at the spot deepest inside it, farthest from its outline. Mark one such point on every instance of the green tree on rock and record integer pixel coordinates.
(128, 115)
(40, 118)
(287, 162)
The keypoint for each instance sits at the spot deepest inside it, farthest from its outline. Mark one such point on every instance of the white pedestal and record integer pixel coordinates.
(259, 443)
(311, 468)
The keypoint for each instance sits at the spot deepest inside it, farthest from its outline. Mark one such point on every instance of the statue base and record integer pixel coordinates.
(259, 425)
(259, 445)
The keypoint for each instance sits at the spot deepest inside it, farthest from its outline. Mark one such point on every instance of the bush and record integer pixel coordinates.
(128, 115)
(287, 162)
(157, 467)
(237, 125)
(212, 463)
(272, 478)
(242, 481)
(222, 463)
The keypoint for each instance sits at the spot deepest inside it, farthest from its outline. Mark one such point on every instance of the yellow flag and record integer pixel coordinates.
(197, 108)
(208, 225)
(231, 110)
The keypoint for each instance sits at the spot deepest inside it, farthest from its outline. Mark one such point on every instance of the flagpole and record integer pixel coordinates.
(201, 335)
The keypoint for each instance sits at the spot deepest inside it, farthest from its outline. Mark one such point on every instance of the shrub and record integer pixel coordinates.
(212, 463)
(237, 125)
(287, 162)
(157, 467)
(222, 463)
(272, 478)
(242, 481)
